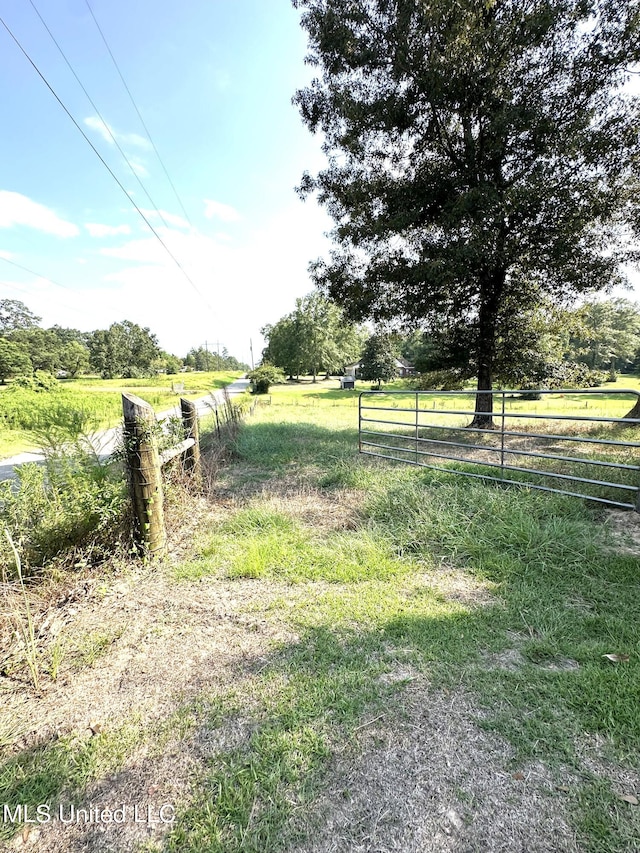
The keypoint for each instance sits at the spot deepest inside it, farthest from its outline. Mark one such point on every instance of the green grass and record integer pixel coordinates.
(543, 582)
(554, 592)
(98, 399)
(63, 765)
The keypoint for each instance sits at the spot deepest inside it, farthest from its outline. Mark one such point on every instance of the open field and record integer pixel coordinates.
(342, 654)
(98, 398)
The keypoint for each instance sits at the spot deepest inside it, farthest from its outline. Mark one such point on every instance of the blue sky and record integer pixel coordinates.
(213, 80)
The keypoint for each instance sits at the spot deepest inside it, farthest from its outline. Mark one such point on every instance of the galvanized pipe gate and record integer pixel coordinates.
(395, 425)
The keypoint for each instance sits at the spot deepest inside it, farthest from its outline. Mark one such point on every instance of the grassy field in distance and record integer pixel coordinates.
(100, 397)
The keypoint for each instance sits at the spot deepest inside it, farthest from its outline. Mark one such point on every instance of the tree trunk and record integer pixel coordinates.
(634, 412)
(491, 291)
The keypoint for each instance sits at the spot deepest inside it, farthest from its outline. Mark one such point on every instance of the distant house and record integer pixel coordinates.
(403, 369)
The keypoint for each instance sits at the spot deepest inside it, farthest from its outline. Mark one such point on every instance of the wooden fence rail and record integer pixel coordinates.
(144, 466)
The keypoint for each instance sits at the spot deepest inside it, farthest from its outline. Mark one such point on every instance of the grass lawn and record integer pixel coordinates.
(99, 398)
(542, 596)
(351, 654)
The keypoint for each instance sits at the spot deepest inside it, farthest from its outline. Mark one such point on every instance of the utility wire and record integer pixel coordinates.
(135, 106)
(104, 163)
(75, 309)
(91, 101)
(45, 278)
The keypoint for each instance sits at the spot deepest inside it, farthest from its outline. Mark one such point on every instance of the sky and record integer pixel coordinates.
(213, 81)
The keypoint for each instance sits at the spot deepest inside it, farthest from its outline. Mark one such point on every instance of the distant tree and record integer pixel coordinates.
(14, 360)
(172, 364)
(67, 336)
(285, 347)
(201, 359)
(124, 349)
(15, 315)
(315, 337)
(378, 359)
(74, 358)
(475, 149)
(606, 334)
(43, 345)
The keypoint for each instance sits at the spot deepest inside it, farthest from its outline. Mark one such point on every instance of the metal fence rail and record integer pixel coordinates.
(594, 451)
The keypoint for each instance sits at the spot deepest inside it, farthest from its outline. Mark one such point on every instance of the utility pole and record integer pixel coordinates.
(251, 348)
(217, 345)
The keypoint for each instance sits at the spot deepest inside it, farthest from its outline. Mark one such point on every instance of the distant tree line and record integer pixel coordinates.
(123, 350)
(556, 347)
(577, 346)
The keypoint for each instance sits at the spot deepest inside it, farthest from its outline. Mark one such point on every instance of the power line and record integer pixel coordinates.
(92, 102)
(24, 290)
(135, 106)
(104, 163)
(44, 278)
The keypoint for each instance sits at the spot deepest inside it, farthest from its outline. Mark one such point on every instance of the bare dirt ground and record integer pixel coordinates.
(423, 778)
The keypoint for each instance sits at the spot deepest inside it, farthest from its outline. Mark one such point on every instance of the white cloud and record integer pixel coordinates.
(8, 256)
(105, 130)
(139, 168)
(134, 139)
(97, 230)
(248, 282)
(109, 134)
(217, 210)
(169, 218)
(18, 209)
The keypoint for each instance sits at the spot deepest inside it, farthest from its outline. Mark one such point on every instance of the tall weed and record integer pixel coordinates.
(63, 504)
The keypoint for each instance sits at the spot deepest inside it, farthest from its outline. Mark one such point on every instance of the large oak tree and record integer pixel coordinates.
(480, 154)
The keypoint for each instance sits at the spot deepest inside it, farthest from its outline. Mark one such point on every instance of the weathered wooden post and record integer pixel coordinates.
(191, 430)
(145, 474)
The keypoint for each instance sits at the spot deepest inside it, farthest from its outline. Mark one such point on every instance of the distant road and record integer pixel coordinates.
(107, 441)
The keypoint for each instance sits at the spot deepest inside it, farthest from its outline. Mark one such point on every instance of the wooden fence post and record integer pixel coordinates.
(145, 474)
(191, 430)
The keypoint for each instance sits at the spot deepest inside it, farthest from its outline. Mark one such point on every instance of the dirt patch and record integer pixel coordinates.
(625, 531)
(432, 780)
(168, 644)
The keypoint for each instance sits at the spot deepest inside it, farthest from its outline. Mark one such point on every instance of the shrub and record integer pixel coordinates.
(439, 380)
(39, 382)
(66, 503)
(263, 377)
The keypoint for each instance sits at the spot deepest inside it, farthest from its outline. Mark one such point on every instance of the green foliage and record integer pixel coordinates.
(378, 359)
(263, 377)
(31, 410)
(439, 380)
(606, 335)
(74, 358)
(71, 501)
(124, 349)
(457, 185)
(40, 382)
(314, 337)
(200, 358)
(14, 359)
(15, 315)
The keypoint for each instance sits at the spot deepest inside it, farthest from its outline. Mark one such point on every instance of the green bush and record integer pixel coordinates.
(439, 380)
(263, 377)
(40, 381)
(66, 503)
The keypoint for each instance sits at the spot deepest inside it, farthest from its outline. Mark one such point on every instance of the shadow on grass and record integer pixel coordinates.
(295, 711)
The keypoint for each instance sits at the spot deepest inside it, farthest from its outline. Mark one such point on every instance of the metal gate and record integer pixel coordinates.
(572, 442)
